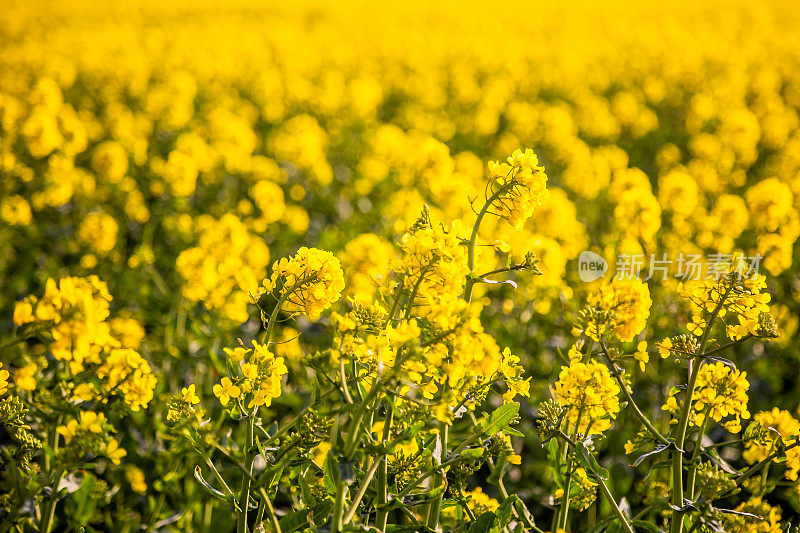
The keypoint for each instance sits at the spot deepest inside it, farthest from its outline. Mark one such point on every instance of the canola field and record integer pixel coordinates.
(399, 266)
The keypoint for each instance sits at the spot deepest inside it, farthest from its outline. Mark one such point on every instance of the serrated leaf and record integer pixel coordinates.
(500, 418)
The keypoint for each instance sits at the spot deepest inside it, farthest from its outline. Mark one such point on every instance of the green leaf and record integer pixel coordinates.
(500, 418)
(198, 475)
(503, 513)
(514, 432)
(300, 519)
(482, 524)
(329, 469)
(589, 462)
(472, 453)
(647, 525)
(497, 471)
(81, 506)
(308, 496)
(555, 461)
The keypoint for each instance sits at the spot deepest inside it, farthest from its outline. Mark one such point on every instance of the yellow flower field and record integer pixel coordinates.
(399, 266)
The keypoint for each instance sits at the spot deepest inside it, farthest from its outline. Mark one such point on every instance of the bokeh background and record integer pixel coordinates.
(176, 148)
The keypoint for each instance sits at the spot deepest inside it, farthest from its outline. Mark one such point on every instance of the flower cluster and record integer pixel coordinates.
(310, 281)
(256, 380)
(720, 394)
(762, 435)
(72, 314)
(584, 488)
(735, 297)
(226, 263)
(590, 395)
(519, 186)
(75, 311)
(619, 308)
(433, 265)
(366, 261)
(89, 435)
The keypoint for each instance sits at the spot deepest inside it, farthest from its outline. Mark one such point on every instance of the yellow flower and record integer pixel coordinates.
(250, 370)
(23, 313)
(721, 391)
(434, 263)
(98, 231)
(224, 266)
(259, 398)
(523, 184)
(225, 390)
(365, 261)
(619, 307)
(664, 348)
(188, 395)
(25, 377)
(405, 331)
(136, 479)
(15, 211)
(310, 281)
(3, 380)
(88, 421)
(114, 452)
(787, 426)
(590, 395)
(641, 355)
(237, 354)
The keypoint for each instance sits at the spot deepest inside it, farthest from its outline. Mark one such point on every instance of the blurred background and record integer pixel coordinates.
(175, 149)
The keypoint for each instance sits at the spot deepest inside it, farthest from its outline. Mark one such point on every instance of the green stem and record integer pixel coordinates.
(439, 479)
(49, 511)
(273, 518)
(676, 523)
(414, 290)
(362, 489)
(382, 515)
(563, 510)
(698, 445)
(756, 468)
(639, 414)
(338, 507)
(463, 501)
(473, 238)
(249, 458)
(617, 511)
